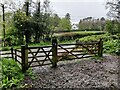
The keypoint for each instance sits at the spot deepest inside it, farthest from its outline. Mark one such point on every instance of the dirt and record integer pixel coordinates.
(86, 73)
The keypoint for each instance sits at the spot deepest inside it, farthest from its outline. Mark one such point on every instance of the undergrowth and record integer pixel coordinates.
(111, 43)
(12, 76)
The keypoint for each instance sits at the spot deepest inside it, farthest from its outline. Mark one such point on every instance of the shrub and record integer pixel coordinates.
(12, 74)
(111, 43)
(112, 46)
(95, 37)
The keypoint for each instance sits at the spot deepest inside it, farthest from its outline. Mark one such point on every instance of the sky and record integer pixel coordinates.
(78, 9)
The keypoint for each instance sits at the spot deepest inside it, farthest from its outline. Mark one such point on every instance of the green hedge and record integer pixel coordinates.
(75, 35)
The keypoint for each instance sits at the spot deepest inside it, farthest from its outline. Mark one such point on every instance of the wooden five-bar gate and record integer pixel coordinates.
(35, 56)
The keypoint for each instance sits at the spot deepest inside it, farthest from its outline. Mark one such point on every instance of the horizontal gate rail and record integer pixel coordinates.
(5, 54)
(17, 55)
(36, 47)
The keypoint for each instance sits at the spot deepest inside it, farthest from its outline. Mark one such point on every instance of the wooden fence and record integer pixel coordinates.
(29, 56)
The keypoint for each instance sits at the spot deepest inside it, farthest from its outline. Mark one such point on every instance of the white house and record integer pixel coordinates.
(74, 27)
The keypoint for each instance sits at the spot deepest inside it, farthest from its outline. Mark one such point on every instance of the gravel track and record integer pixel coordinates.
(87, 73)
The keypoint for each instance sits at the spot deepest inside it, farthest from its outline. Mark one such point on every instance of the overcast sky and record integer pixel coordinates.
(78, 8)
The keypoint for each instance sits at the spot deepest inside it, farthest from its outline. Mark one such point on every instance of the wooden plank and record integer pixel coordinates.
(5, 53)
(36, 47)
(7, 57)
(38, 56)
(18, 50)
(75, 58)
(38, 52)
(72, 51)
(78, 54)
(67, 48)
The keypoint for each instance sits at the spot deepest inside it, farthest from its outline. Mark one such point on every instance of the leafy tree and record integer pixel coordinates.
(67, 16)
(55, 20)
(90, 23)
(46, 6)
(114, 13)
(109, 26)
(114, 9)
(38, 23)
(23, 25)
(19, 19)
(102, 21)
(65, 24)
(0, 24)
(47, 19)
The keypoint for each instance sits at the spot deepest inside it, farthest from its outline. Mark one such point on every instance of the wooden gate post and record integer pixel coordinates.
(24, 53)
(15, 54)
(12, 53)
(54, 52)
(100, 48)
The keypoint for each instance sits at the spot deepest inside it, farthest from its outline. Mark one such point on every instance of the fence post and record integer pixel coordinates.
(100, 48)
(12, 53)
(54, 52)
(24, 53)
(15, 55)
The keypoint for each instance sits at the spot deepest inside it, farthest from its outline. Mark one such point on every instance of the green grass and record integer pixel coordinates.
(40, 44)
